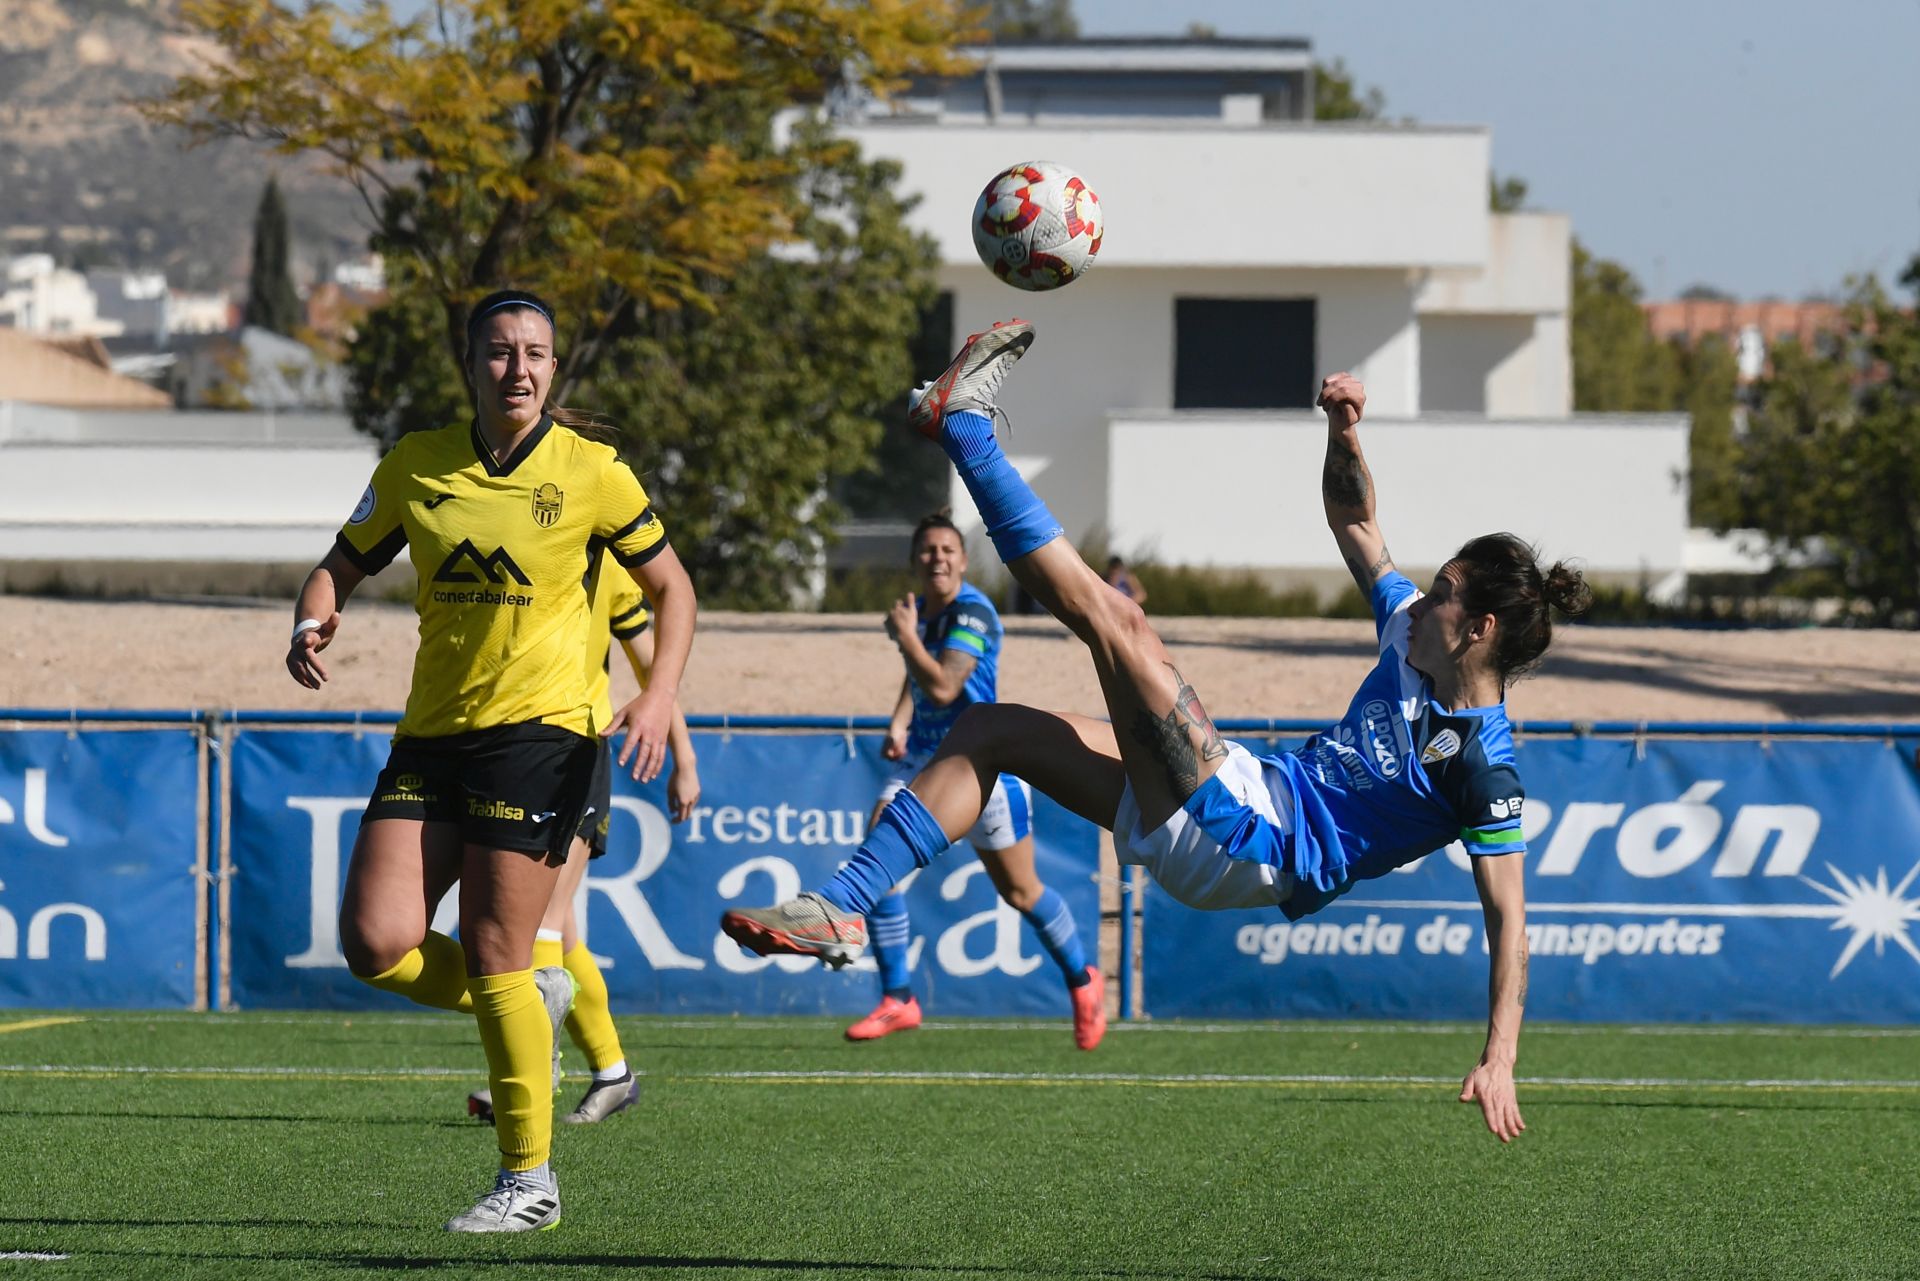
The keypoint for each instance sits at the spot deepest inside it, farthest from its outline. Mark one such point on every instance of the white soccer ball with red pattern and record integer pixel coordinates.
(1037, 225)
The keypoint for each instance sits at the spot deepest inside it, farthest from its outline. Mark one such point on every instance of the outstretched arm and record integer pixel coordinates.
(1346, 486)
(1503, 899)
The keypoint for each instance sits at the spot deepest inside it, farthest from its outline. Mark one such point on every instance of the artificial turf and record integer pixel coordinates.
(285, 1145)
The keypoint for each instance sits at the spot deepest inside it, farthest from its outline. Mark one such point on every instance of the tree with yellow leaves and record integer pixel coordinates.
(562, 146)
(619, 158)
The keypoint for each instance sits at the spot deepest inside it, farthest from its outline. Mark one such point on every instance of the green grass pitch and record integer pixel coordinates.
(263, 1146)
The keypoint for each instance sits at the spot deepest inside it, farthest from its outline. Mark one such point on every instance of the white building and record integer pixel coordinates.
(41, 297)
(1248, 251)
(172, 501)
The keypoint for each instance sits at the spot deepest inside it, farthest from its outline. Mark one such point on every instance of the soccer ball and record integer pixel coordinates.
(1038, 225)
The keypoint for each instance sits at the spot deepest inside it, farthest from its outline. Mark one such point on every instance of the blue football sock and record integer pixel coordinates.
(906, 837)
(888, 929)
(1054, 924)
(1017, 521)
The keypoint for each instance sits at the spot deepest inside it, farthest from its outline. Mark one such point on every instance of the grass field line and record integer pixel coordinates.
(241, 1018)
(848, 1076)
(28, 1025)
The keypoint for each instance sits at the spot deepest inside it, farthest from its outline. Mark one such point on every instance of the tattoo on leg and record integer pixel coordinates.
(1520, 998)
(1171, 742)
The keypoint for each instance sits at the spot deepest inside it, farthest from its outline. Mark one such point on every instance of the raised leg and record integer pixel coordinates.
(399, 870)
(1166, 740)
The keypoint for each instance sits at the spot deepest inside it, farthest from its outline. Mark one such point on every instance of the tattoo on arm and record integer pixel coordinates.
(1343, 480)
(1182, 739)
(1367, 575)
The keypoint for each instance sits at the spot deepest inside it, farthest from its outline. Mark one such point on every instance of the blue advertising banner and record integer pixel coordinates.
(778, 813)
(1666, 881)
(99, 885)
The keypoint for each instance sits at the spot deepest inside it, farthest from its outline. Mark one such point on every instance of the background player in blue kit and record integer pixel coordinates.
(1422, 757)
(950, 640)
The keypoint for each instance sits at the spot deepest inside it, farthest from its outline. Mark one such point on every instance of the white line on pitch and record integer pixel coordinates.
(1305, 1027)
(749, 1076)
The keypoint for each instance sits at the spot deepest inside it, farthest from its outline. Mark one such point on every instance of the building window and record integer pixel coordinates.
(1243, 353)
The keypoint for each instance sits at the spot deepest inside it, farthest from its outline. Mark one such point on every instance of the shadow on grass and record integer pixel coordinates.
(283, 1118)
(616, 1262)
(1735, 1105)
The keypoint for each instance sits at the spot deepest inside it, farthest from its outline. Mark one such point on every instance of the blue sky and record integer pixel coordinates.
(1767, 147)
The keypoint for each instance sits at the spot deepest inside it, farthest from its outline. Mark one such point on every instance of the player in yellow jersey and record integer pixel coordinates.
(492, 764)
(619, 610)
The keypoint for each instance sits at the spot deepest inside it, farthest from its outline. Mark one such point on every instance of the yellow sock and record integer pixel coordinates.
(591, 1022)
(519, 1044)
(435, 973)
(546, 952)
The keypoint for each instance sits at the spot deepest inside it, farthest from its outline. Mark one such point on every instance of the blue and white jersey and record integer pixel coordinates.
(1398, 777)
(971, 625)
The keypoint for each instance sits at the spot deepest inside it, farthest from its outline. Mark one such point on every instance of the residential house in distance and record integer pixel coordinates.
(1750, 329)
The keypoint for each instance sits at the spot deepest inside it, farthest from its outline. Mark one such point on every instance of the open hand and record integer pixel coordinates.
(644, 721)
(1490, 1084)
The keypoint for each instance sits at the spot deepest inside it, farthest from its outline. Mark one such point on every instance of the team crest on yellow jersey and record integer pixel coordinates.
(546, 505)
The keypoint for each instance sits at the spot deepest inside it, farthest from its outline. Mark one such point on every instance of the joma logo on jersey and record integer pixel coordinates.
(496, 568)
(493, 809)
(546, 506)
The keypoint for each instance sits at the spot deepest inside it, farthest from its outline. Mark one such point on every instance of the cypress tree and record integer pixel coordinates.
(271, 300)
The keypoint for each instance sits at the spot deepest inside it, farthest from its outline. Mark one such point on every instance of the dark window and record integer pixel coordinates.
(1243, 353)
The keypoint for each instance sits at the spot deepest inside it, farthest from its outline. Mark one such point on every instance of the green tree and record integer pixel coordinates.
(736, 305)
(579, 148)
(272, 302)
(1709, 379)
(813, 349)
(1832, 457)
(1032, 20)
(1336, 97)
(1618, 365)
(1506, 195)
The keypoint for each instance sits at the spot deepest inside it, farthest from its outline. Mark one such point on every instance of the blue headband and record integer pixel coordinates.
(518, 302)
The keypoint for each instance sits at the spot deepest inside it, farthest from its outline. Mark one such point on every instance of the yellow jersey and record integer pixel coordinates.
(503, 553)
(619, 611)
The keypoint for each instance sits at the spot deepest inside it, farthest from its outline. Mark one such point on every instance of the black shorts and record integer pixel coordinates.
(509, 787)
(593, 823)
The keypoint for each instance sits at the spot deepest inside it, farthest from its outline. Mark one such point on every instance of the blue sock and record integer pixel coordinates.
(888, 929)
(1017, 521)
(906, 837)
(1054, 924)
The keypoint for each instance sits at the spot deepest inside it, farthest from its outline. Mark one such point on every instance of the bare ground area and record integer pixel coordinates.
(100, 655)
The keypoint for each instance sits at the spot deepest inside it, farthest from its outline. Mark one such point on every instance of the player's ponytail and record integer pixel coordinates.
(587, 422)
(1502, 577)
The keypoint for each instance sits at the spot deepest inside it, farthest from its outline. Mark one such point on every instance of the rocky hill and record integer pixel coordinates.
(84, 177)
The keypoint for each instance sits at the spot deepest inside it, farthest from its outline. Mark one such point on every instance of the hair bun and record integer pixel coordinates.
(1566, 589)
